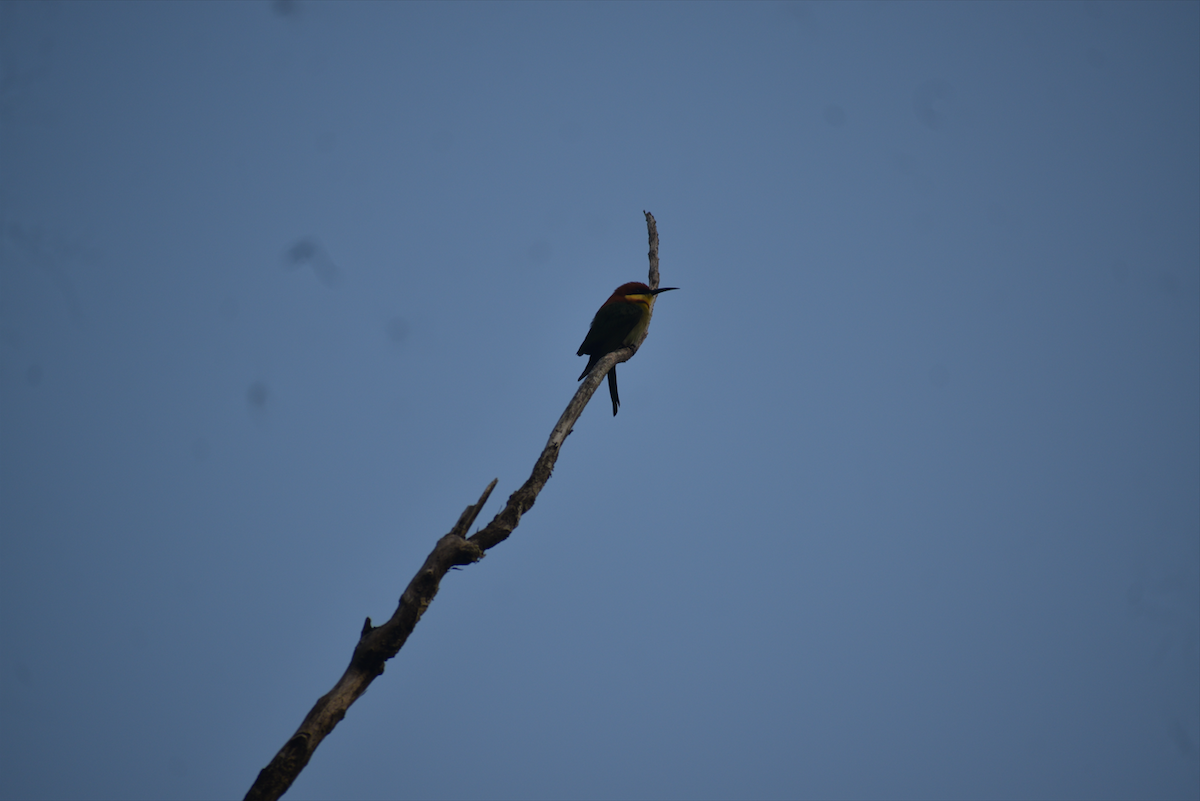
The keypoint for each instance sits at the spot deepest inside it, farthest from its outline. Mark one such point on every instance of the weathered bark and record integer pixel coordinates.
(377, 644)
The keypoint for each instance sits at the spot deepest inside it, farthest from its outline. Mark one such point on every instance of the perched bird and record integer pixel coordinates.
(621, 321)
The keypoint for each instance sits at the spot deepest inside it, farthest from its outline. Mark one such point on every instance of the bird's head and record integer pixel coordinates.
(637, 292)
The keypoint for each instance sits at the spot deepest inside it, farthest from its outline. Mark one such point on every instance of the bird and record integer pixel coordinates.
(621, 321)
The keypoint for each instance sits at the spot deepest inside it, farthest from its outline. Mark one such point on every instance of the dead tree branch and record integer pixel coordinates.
(378, 644)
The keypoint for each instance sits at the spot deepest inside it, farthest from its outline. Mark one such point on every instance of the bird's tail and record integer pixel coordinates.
(612, 389)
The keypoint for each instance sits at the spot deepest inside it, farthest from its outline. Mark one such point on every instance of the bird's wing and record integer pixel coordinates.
(609, 328)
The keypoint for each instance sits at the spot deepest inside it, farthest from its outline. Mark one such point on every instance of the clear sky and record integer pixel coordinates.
(903, 500)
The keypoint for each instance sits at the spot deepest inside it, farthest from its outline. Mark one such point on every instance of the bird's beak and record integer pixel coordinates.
(663, 289)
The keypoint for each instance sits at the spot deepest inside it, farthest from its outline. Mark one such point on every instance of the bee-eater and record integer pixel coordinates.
(621, 321)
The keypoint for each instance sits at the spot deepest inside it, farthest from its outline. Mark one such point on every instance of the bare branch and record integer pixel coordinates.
(377, 644)
(652, 228)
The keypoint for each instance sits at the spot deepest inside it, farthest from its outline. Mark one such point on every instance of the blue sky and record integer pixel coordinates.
(903, 500)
